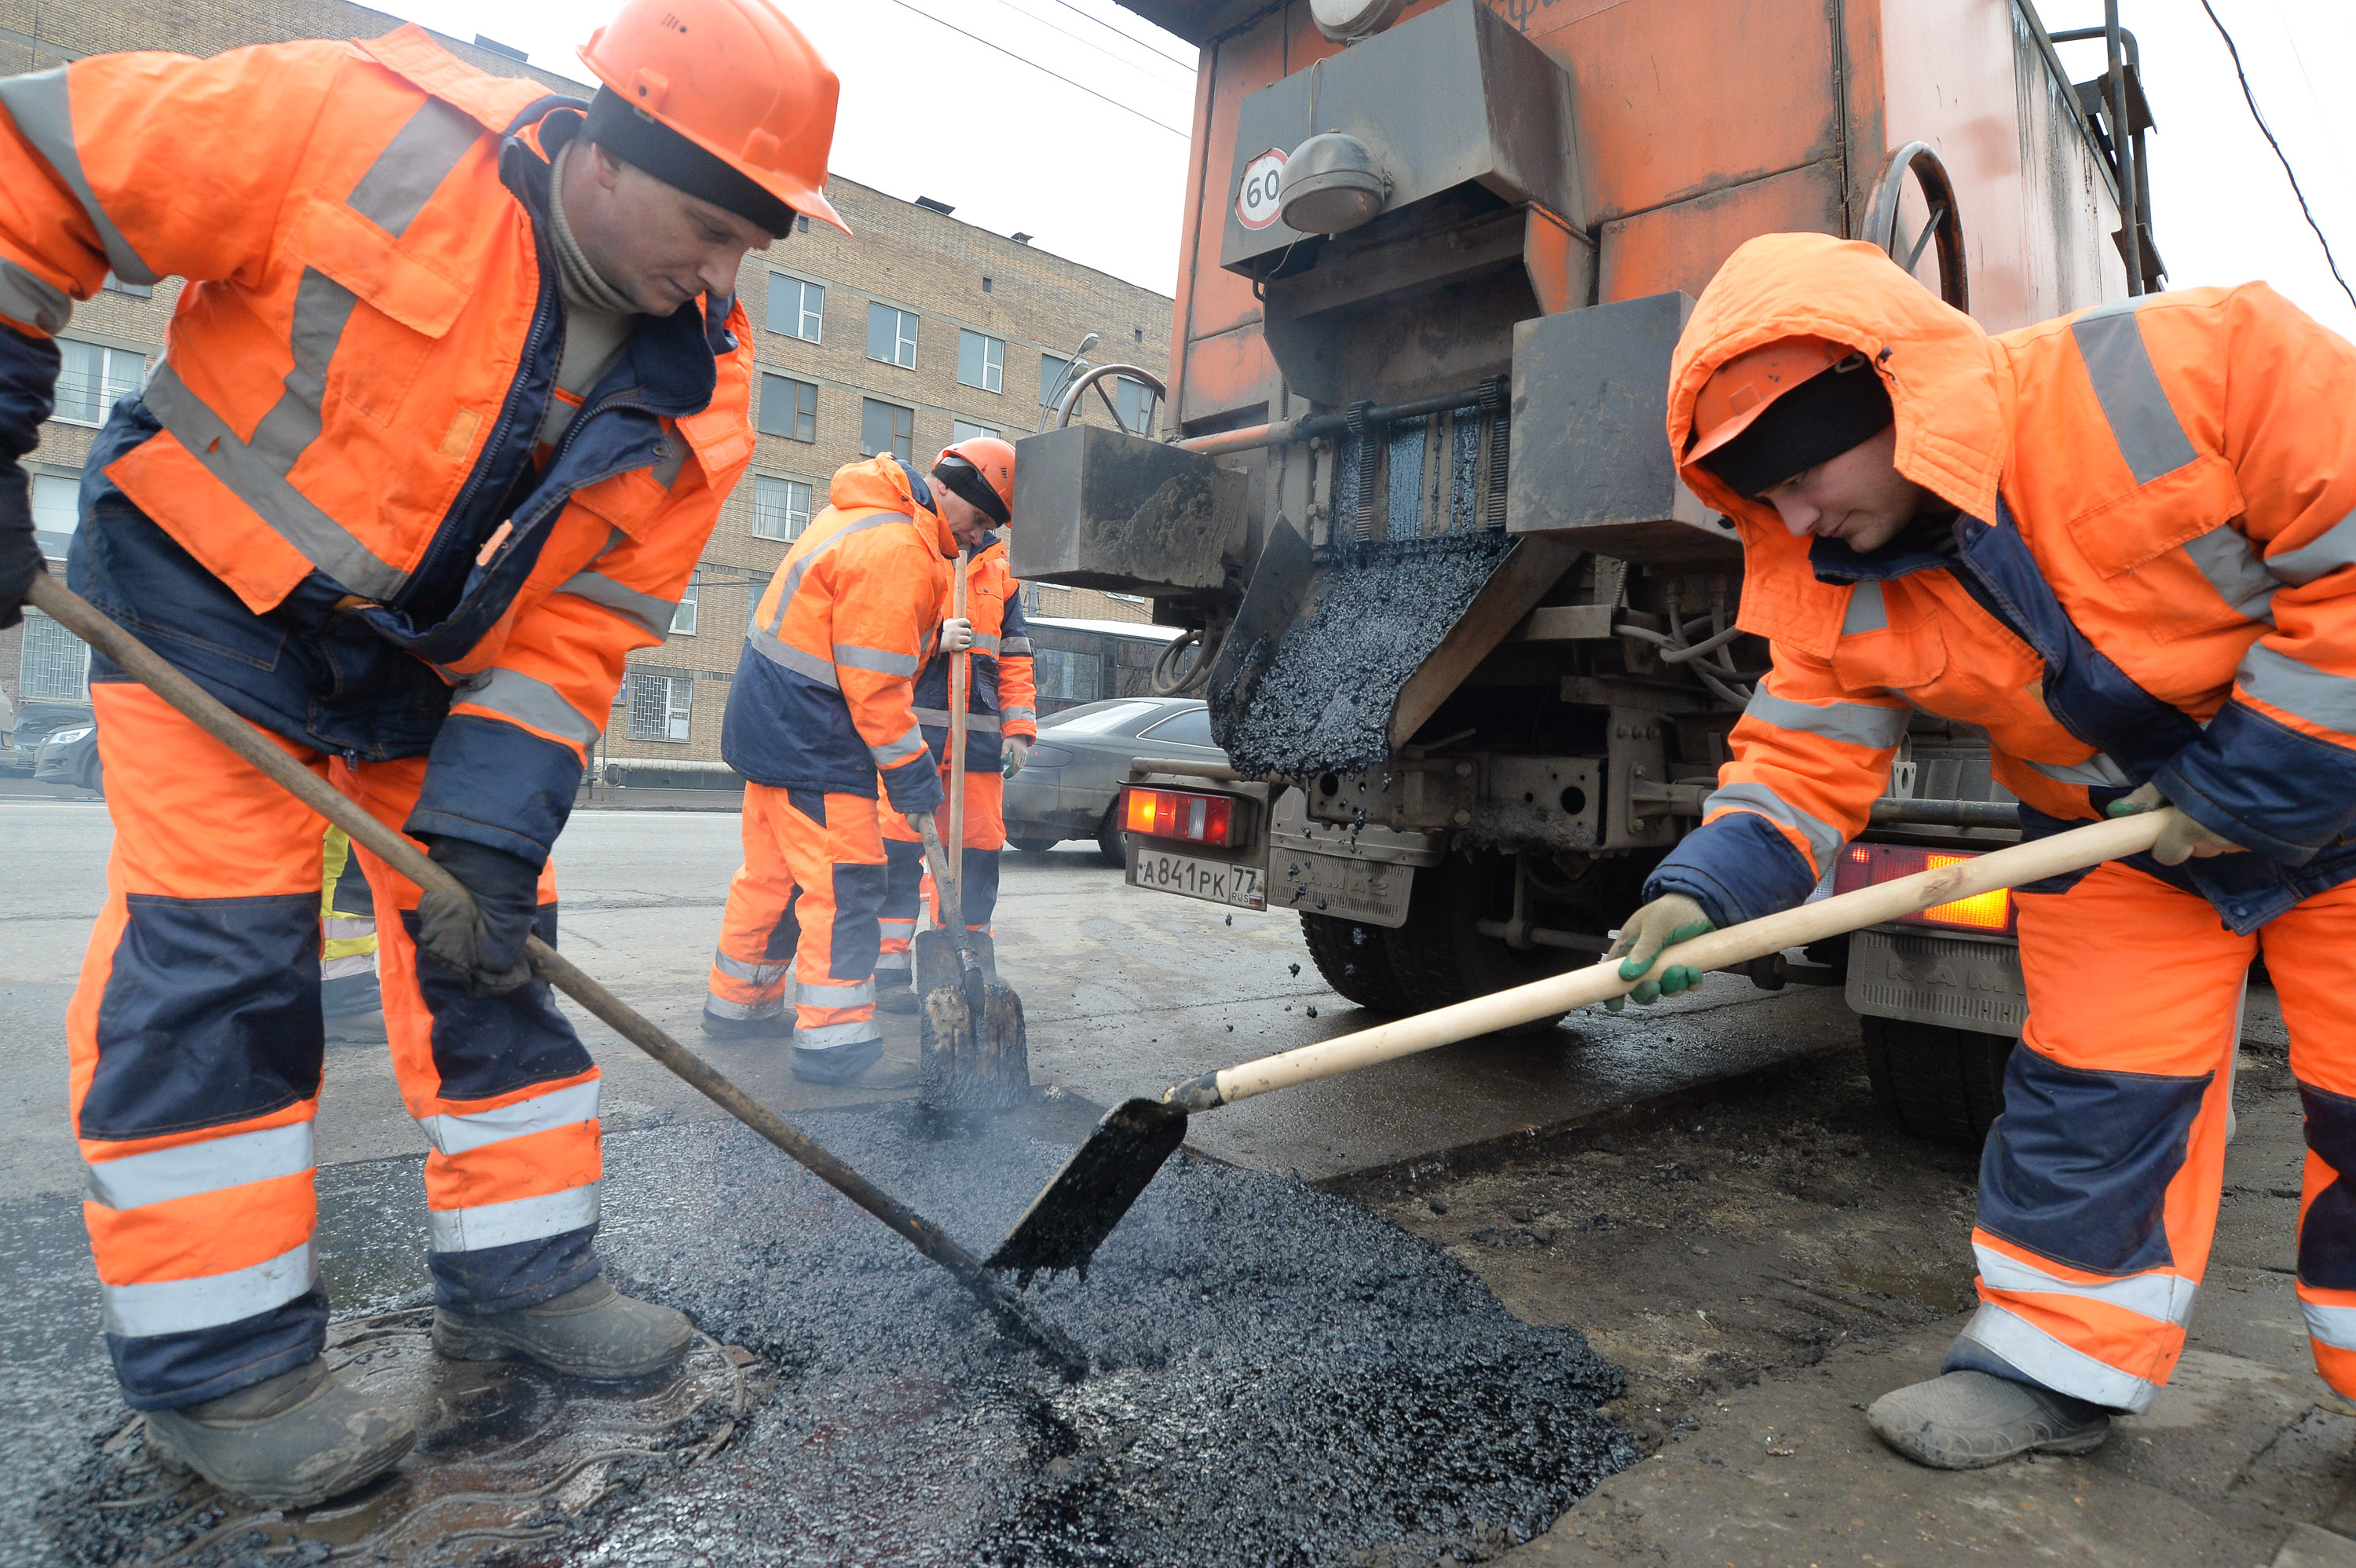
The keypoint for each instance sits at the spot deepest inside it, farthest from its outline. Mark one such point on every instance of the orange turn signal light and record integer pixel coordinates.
(1867, 865)
(1179, 814)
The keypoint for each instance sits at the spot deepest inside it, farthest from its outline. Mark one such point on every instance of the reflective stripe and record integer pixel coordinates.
(322, 309)
(455, 1132)
(519, 1219)
(794, 568)
(528, 700)
(983, 723)
(892, 754)
(2096, 770)
(164, 1174)
(1014, 646)
(892, 963)
(347, 928)
(1016, 710)
(2332, 1326)
(1824, 842)
(1851, 723)
(1866, 610)
(180, 1306)
(2056, 1365)
(2231, 566)
(2284, 682)
(2330, 550)
(807, 995)
(413, 165)
(833, 1037)
(2151, 437)
(43, 110)
(721, 1007)
(318, 537)
(751, 973)
(768, 645)
(644, 610)
(850, 656)
(345, 969)
(898, 927)
(30, 297)
(984, 642)
(2167, 1297)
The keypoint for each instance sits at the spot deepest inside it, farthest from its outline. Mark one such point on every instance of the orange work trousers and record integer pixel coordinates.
(910, 885)
(196, 1053)
(804, 904)
(2100, 1183)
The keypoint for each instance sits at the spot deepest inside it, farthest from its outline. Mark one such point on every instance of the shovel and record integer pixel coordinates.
(971, 1054)
(78, 615)
(1071, 1218)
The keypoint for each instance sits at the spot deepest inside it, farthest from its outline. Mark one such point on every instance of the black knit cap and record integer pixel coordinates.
(1821, 418)
(963, 480)
(636, 138)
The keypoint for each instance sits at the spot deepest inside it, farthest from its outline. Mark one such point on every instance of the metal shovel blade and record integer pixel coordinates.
(972, 1053)
(1074, 1212)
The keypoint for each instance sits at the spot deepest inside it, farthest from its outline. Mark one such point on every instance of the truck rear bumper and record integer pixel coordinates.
(1963, 982)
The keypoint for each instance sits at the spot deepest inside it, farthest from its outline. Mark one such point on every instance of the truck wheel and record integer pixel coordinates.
(1945, 1085)
(1353, 960)
(1112, 844)
(1034, 846)
(1437, 959)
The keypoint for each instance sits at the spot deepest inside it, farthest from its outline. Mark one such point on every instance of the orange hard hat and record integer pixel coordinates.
(1743, 387)
(988, 459)
(734, 78)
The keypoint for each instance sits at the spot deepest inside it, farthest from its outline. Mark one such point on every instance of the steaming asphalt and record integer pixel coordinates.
(1125, 991)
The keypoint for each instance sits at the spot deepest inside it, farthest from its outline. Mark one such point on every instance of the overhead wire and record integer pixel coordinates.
(1034, 64)
(1100, 48)
(1132, 38)
(2280, 157)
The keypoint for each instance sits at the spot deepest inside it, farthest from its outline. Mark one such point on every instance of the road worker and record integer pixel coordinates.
(350, 1000)
(2119, 544)
(451, 398)
(1002, 722)
(822, 720)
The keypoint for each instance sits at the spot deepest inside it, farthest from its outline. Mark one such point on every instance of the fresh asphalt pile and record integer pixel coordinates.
(1323, 702)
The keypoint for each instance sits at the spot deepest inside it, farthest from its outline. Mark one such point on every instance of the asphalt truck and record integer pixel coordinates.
(1471, 649)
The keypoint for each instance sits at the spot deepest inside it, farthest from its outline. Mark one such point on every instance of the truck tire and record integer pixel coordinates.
(1944, 1085)
(1112, 844)
(1034, 846)
(1437, 959)
(1353, 960)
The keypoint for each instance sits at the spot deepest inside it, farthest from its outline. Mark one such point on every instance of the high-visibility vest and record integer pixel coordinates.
(1001, 699)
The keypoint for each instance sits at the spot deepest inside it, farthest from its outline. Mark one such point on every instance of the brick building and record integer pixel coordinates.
(914, 330)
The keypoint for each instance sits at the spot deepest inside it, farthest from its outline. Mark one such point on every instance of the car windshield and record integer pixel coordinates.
(1096, 719)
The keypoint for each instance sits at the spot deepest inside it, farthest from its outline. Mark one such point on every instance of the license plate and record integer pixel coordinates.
(1368, 892)
(1217, 881)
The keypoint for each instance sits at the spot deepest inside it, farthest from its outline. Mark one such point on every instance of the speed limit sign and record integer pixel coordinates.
(1255, 199)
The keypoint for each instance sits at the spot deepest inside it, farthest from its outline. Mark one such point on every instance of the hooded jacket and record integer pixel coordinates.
(1001, 699)
(824, 694)
(2149, 578)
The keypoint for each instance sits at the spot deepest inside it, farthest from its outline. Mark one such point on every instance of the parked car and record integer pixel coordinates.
(1072, 784)
(69, 756)
(33, 724)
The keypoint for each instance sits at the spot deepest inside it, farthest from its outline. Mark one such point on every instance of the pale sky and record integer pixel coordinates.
(928, 113)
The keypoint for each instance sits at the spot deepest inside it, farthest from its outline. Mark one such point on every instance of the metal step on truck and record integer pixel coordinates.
(1473, 650)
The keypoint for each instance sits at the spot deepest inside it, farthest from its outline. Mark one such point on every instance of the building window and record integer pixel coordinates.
(965, 430)
(1054, 371)
(801, 222)
(682, 620)
(136, 291)
(1134, 402)
(986, 284)
(892, 335)
(981, 360)
(56, 512)
(56, 663)
(90, 378)
(781, 507)
(886, 427)
(797, 308)
(788, 408)
(660, 705)
(1063, 676)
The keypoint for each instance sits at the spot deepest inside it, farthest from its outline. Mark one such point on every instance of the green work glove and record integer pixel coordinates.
(1013, 753)
(2181, 840)
(1670, 919)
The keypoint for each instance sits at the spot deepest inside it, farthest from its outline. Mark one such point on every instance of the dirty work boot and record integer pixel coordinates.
(889, 1073)
(895, 999)
(777, 1026)
(594, 1332)
(1963, 1421)
(290, 1441)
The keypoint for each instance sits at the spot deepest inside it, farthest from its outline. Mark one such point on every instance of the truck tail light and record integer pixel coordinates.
(1179, 814)
(1866, 865)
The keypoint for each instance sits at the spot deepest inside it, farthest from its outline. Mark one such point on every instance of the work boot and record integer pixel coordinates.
(1965, 1421)
(889, 1073)
(290, 1441)
(901, 998)
(777, 1026)
(594, 1332)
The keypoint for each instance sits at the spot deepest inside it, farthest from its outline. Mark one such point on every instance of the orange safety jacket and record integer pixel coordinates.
(824, 694)
(2149, 578)
(341, 429)
(1001, 699)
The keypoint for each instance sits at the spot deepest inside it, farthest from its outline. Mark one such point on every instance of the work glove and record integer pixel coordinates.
(1013, 753)
(481, 938)
(1668, 920)
(956, 634)
(918, 821)
(20, 553)
(2181, 840)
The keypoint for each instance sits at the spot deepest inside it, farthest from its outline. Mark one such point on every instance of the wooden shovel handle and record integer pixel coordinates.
(961, 682)
(1797, 927)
